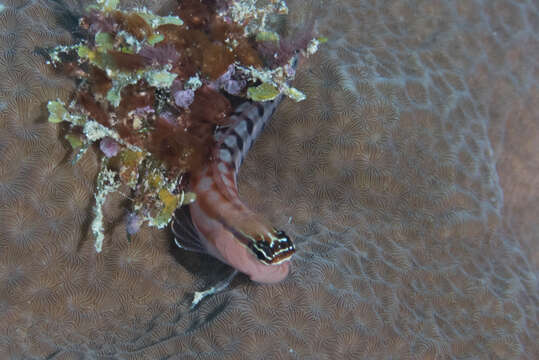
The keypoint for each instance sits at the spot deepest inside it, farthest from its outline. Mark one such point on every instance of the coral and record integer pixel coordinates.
(434, 254)
(149, 92)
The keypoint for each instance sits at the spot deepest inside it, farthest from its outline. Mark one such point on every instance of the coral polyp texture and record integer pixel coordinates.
(401, 176)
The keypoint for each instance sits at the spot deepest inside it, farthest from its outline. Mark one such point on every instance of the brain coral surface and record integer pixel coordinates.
(408, 179)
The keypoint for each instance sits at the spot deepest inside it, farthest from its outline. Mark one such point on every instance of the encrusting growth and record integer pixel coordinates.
(151, 91)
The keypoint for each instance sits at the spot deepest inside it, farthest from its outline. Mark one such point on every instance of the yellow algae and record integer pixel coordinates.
(57, 112)
(104, 41)
(170, 203)
(74, 141)
(263, 92)
(267, 36)
(155, 181)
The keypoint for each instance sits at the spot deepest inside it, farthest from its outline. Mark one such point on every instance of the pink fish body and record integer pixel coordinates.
(223, 225)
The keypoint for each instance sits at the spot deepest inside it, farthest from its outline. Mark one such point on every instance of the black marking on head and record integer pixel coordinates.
(270, 250)
(273, 251)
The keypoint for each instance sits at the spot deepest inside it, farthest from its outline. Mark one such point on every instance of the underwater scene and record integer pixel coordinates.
(269, 179)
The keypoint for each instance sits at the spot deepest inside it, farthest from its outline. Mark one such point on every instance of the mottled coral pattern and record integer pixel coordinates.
(407, 178)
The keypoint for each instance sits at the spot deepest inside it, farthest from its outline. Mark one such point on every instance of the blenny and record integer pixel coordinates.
(218, 222)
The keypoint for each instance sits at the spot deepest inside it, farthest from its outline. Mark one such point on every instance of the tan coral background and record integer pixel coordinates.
(408, 178)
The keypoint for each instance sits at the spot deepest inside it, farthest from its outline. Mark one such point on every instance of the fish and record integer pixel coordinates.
(218, 222)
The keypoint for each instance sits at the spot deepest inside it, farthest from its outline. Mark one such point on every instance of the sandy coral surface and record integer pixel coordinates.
(408, 179)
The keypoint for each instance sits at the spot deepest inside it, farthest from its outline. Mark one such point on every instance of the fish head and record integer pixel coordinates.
(271, 249)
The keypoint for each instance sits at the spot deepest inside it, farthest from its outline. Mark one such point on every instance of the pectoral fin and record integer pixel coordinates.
(185, 235)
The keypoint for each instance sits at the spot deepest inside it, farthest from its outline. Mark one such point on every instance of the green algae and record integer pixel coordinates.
(57, 112)
(263, 92)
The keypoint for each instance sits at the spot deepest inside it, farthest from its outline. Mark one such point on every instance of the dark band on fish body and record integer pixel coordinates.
(228, 148)
(237, 113)
(249, 123)
(260, 109)
(239, 140)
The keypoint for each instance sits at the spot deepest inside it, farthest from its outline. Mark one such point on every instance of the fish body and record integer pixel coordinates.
(223, 225)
